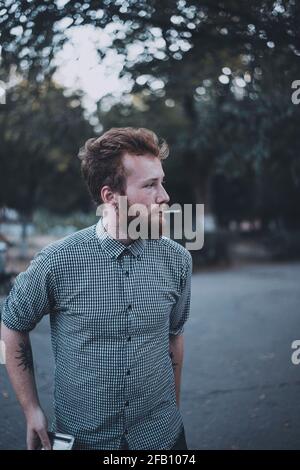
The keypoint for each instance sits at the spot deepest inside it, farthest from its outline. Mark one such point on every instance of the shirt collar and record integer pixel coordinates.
(114, 248)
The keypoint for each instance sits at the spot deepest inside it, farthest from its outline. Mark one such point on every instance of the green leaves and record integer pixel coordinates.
(40, 134)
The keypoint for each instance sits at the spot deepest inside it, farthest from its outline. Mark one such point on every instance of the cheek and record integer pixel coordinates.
(140, 196)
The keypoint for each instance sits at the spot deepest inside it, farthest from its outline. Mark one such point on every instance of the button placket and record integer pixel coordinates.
(128, 300)
(126, 265)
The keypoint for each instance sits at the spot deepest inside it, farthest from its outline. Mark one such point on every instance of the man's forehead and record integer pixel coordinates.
(142, 166)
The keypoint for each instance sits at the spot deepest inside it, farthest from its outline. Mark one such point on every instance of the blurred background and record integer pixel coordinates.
(220, 81)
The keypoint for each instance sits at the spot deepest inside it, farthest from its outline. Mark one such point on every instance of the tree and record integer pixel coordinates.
(31, 32)
(220, 62)
(41, 131)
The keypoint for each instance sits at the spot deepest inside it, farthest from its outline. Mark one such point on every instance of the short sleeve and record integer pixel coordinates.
(181, 310)
(31, 297)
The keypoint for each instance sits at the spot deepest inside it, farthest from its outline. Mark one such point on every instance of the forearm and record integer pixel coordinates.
(19, 365)
(176, 355)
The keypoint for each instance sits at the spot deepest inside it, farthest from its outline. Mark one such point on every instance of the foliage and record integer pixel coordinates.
(41, 130)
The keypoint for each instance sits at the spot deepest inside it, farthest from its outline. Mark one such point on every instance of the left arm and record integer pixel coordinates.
(176, 355)
(178, 317)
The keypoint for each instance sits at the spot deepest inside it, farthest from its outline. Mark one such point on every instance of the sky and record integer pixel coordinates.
(79, 66)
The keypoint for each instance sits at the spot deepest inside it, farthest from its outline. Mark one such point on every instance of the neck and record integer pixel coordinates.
(115, 229)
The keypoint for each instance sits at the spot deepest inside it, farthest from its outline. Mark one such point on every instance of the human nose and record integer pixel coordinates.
(163, 196)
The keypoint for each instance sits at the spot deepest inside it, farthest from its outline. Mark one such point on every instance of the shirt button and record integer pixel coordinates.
(129, 307)
(126, 403)
(128, 372)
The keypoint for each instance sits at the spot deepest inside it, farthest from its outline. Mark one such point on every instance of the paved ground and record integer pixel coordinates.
(240, 389)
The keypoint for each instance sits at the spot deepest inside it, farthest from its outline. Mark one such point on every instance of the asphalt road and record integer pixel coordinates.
(240, 389)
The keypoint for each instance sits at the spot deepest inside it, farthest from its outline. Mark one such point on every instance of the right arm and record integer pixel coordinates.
(31, 297)
(19, 365)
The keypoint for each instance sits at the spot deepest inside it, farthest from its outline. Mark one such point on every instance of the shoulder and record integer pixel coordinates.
(68, 244)
(175, 250)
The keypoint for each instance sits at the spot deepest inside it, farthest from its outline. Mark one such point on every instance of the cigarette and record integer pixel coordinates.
(172, 210)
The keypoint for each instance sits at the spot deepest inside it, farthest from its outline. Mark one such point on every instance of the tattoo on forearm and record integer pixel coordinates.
(25, 356)
(174, 364)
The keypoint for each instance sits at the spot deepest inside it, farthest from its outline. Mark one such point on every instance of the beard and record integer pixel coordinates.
(153, 223)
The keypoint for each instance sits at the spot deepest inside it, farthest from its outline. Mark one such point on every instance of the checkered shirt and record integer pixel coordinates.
(112, 310)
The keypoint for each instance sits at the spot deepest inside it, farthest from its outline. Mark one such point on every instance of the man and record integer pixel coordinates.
(117, 308)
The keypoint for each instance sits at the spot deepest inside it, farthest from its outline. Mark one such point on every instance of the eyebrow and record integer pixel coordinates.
(154, 179)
